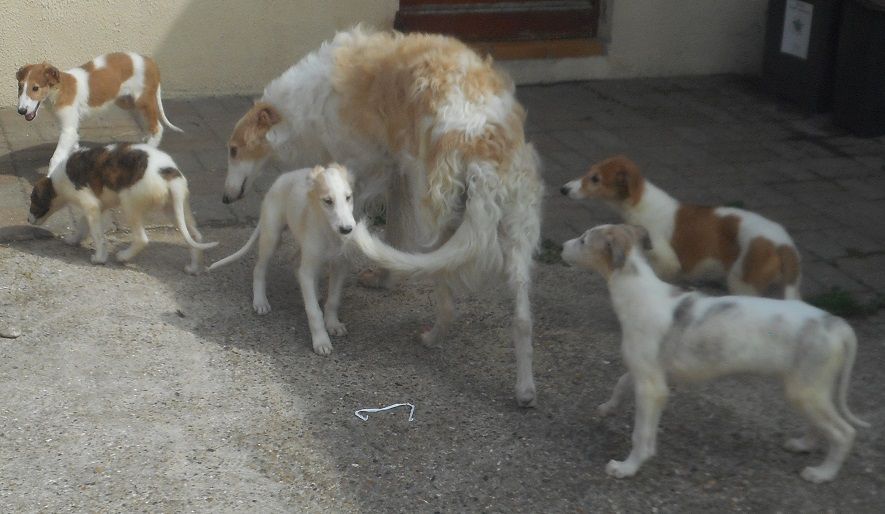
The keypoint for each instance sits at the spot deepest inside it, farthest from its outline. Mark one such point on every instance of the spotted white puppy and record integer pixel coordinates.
(671, 333)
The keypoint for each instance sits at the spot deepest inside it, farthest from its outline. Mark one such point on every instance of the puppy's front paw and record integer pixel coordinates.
(98, 258)
(620, 469)
(819, 474)
(525, 395)
(322, 345)
(336, 328)
(125, 254)
(261, 306)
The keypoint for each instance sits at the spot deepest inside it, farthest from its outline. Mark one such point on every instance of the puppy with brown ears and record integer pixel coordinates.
(317, 206)
(126, 79)
(668, 334)
(138, 178)
(755, 255)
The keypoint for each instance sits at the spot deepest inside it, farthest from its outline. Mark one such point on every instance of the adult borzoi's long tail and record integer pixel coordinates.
(475, 242)
(239, 253)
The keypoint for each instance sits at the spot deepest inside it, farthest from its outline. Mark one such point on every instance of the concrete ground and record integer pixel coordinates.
(142, 388)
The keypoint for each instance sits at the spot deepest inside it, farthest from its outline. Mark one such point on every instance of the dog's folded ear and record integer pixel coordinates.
(52, 75)
(23, 72)
(268, 116)
(617, 247)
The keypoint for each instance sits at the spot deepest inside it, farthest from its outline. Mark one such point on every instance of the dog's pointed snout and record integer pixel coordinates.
(345, 230)
(564, 190)
(22, 110)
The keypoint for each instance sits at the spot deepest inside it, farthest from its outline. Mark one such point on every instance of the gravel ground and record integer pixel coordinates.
(142, 388)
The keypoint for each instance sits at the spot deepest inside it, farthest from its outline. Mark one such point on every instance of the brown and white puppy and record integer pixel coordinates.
(138, 178)
(127, 79)
(755, 255)
(673, 334)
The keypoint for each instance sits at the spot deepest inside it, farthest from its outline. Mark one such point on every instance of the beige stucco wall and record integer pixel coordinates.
(204, 47)
(208, 47)
(665, 37)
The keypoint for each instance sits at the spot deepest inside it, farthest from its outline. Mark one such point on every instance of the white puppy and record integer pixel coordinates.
(317, 205)
(138, 178)
(670, 333)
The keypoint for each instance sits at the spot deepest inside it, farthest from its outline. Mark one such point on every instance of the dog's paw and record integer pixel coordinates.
(819, 474)
(125, 254)
(606, 408)
(261, 306)
(193, 269)
(336, 328)
(429, 338)
(322, 345)
(99, 258)
(620, 469)
(800, 444)
(525, 395)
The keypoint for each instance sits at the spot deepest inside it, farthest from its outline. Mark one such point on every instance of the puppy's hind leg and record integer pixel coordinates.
(624, 385)
(651, 396)
(271, 227)
(817, 404)
(139, 236)
(337, 274)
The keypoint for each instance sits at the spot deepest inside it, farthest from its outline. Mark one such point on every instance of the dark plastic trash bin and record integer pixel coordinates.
(800, 46)
(859, 90)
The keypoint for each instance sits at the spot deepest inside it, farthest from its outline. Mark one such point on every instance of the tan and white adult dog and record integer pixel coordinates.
(436, 130)
(128, 80)
(138, 178)
(755, 255)
(317, 206)
(669, 333)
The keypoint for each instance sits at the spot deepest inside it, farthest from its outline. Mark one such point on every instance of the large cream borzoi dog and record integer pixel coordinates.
(425, 121)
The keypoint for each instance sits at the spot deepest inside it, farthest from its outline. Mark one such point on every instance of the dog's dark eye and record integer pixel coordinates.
(347, 198)
(327, 201)
(594, 179)
(233, 152)
(35, 88)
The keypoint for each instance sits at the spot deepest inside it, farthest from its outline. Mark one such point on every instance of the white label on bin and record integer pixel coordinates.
(797, 28)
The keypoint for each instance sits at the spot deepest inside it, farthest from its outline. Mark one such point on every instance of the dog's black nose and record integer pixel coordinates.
(564, 190)
(225, 199)
(22, 111)
(345, 230)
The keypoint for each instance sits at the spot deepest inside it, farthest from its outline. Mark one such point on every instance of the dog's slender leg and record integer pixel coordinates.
(817, 404)
(196, 264)
(651, 395)
(307, 279)
(445, 313)
(337, 274)
(268, 238)
(81, 229)
(147, 104)
(804, 444)
(625, 383)
(139, 236)
(93, 218)
(69, 137)
(519, 271)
